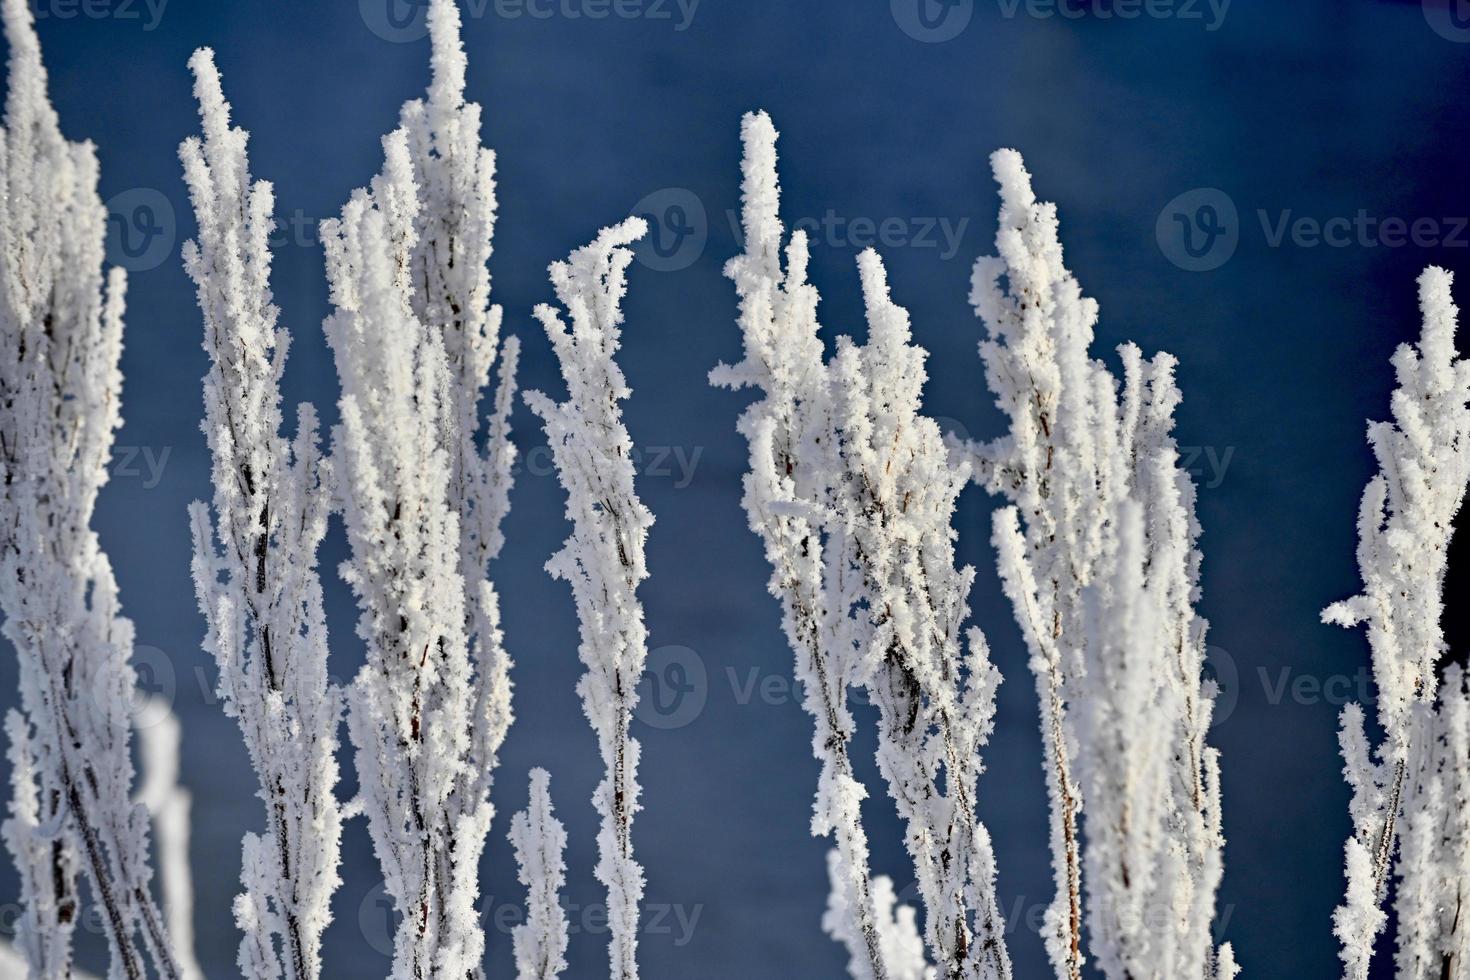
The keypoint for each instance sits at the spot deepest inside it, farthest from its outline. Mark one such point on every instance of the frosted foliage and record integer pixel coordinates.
(540, 841)
(60, 340)
(1404, 529)
(414, 341)
(255, 565)
(853, 493)
(603, 560)
(1097, 555)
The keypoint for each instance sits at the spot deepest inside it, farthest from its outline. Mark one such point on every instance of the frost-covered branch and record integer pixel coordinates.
(259, 588)
(1404, 528)
(60, 340)
(1097, 554)
(852, 490)
(414, 340)
(1433, 902)
(603, 560)
(540, 840)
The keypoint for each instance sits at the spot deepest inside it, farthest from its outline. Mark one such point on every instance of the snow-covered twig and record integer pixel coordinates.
(852, 489)
(603, 560)
(414, 340)
(60, 341)
(1404, 528)
(540, 840)
(259, 588)
(1097, 555)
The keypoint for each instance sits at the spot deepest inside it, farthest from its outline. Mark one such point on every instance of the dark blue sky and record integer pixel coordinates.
(1315, 109)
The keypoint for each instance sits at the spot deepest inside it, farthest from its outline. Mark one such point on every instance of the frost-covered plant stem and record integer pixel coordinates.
(603, 560)
(414, 339)
(259, 590)
(783, 357)
(852, 488)
(540, 840)
(60, 340)
(1404, 527)
(1097, 555)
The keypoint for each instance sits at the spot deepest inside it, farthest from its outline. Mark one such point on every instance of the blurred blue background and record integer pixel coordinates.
(1314, 109)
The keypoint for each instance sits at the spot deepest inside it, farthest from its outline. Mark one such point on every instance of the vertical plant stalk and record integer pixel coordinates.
(783, 358)
(414, 339)
(603, 559)
(540, 841)
(60, 342)
(1087, 458)
(259, 588)
(1404, 526)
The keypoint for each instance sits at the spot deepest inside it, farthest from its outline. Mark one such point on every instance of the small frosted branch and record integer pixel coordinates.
(540, 840)
(603, 560)
(1401, 788)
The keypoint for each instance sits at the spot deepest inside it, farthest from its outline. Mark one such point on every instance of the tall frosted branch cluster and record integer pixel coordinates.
(1097, 555)
(603, 559)
(259, 589)
(60, 341)
(1412, 785)
(852, 491)
(414, 341)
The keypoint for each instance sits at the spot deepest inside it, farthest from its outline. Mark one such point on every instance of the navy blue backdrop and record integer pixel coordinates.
(1315, 150)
